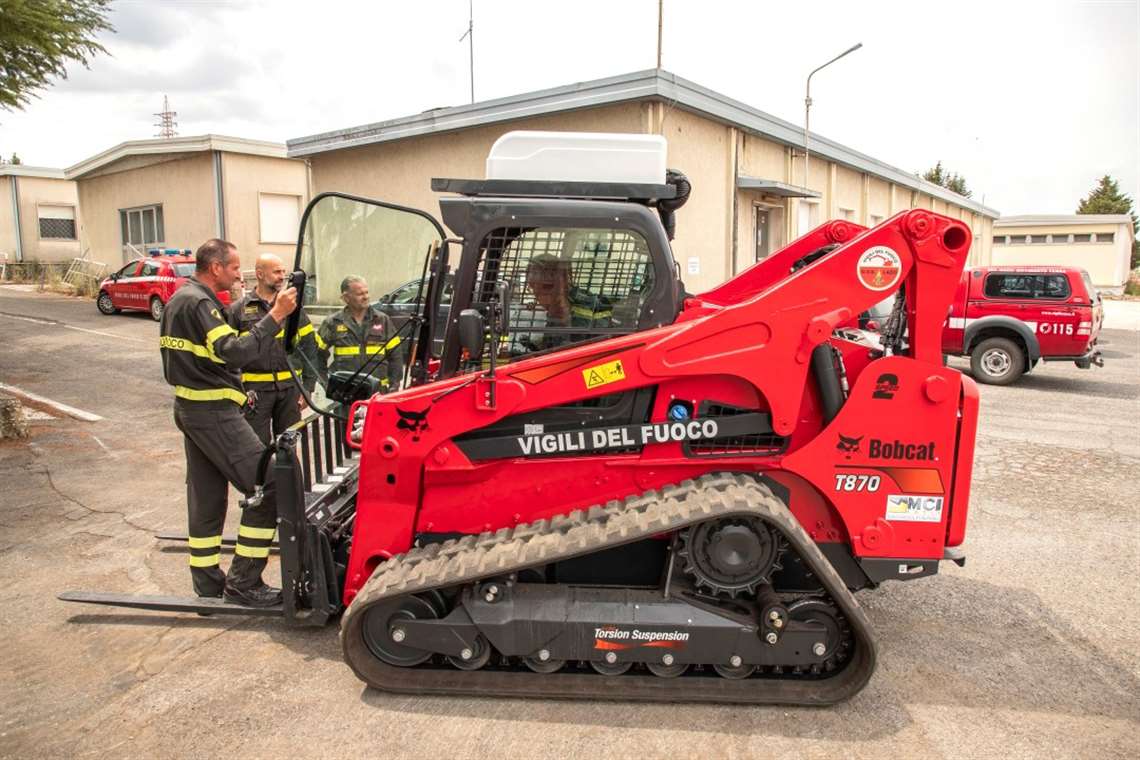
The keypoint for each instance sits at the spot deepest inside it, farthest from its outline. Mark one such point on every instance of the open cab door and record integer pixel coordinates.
(349, 247)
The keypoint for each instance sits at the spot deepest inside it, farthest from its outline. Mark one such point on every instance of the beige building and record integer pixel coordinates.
(747, 168)
(38, 214)
(1101, 244)
(178, 192)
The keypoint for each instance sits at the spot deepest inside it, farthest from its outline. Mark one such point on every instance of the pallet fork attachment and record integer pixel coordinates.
(309, 577)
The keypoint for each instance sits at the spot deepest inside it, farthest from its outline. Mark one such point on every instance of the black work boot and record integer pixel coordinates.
(208, 581)
(260, 595)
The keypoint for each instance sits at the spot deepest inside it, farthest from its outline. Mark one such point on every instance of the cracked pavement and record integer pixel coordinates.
(1031, 650)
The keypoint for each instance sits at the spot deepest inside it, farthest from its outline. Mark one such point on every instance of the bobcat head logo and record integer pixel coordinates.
(416, 422)
(849, 445)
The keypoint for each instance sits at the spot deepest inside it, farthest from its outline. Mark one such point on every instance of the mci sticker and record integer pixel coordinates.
(603, 374)
(911, 508)
(879, 268)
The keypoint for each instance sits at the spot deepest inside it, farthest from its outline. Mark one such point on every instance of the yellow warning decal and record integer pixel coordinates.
(603, 374)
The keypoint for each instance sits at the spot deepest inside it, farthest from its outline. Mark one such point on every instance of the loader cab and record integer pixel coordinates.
(572, 271)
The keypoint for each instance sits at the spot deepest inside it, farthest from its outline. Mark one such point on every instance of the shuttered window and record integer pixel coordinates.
(280, 217)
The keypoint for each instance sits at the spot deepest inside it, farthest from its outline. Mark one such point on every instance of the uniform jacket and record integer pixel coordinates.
(202, 352)
(350, 344)
(272, 370)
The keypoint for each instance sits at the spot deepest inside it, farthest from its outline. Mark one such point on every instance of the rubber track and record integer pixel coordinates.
(492, 555)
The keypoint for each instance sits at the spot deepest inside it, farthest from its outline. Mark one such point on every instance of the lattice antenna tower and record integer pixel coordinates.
(167, 120)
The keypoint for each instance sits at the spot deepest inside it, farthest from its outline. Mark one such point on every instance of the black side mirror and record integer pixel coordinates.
(472, 333)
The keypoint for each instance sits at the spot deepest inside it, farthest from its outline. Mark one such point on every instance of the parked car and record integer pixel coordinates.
(147, 284)
(1006, 319)
(401, 303)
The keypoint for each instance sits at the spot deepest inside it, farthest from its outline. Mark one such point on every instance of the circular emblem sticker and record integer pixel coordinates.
(879, 268)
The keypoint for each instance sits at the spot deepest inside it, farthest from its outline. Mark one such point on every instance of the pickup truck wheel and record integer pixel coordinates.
(997, 361)
(156, 308)
(105, 304)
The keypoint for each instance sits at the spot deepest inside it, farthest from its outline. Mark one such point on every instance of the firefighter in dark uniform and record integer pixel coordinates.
(357, 334)
(273, 401)
(201, 354)
(548, 277)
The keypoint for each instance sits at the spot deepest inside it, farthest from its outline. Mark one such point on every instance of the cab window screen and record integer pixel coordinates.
(567, 285)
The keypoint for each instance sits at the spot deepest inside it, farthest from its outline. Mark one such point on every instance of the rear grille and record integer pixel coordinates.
(751, 444)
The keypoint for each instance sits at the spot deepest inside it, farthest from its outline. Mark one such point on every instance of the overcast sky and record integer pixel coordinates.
(1031, 102)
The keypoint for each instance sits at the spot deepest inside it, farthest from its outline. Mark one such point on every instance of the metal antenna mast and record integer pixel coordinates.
(166, 120)
(469, 35)
(660, 13)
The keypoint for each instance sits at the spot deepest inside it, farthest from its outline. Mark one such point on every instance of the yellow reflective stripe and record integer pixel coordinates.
(373, 350)
(320, 341)
(248, 532)
(181, 344)
(346, 350)
(253, 552)
(265, 377)
(305, 330)
(210, 561)
(217, 332)
(213, 394)
(582, 311)
(204, 543)
(392, 344)
(384, 382)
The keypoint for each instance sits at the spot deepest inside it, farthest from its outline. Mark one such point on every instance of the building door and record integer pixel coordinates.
(763, 237)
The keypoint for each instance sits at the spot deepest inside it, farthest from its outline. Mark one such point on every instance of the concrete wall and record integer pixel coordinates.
(245, 177)
(184, 187)
(715, 229)
(401, 172)
(1106, 263)
(32, 192)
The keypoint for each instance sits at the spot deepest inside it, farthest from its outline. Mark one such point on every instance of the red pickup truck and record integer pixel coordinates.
(1006, 319)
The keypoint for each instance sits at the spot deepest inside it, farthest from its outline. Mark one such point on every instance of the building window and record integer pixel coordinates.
(1082, 238)
(1001, 239)
(280, 217)
(874, 220)
(1038, 238)
(1105, 237)
(847, 213)
(57, 222)
(142, 226)
(1059, 238)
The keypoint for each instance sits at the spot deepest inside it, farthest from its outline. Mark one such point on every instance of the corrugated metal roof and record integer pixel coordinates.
(652, 84)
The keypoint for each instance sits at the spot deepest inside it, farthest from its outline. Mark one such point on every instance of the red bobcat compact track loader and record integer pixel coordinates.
(595, 485)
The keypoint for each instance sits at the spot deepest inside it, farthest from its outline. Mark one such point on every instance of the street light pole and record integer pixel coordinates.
(807, 105)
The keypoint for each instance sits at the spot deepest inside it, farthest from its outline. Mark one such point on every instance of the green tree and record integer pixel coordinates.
(1106, 198)
(953, 182)
(39, 37)
(15, 160)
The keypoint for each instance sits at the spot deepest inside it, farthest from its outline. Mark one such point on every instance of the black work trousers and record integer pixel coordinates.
(222, 449)
(274, 410)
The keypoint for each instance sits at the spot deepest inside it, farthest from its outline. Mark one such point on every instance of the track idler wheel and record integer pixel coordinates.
(731, 556)
(610, 666)
(672, 670)
(835, 648)
(540, 665)
(477, 655)
(383, 634)
(735, 672)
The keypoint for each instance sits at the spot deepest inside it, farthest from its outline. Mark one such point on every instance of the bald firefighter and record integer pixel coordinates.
(357, 334)
(201, 354)
(273, 400)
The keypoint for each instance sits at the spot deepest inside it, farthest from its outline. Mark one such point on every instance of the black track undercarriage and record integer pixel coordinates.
(481, 615)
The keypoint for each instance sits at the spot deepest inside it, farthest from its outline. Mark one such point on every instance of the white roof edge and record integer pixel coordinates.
(188, 144)
(648, 84)
(1038, 220)
(22, 170)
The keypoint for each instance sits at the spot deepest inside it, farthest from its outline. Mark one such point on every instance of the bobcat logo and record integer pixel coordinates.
(413, 421)
(849, 445)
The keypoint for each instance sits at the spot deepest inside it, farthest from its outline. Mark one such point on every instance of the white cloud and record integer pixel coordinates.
(1030, 101)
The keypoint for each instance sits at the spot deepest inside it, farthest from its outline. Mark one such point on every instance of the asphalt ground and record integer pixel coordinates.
(1031, 650)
